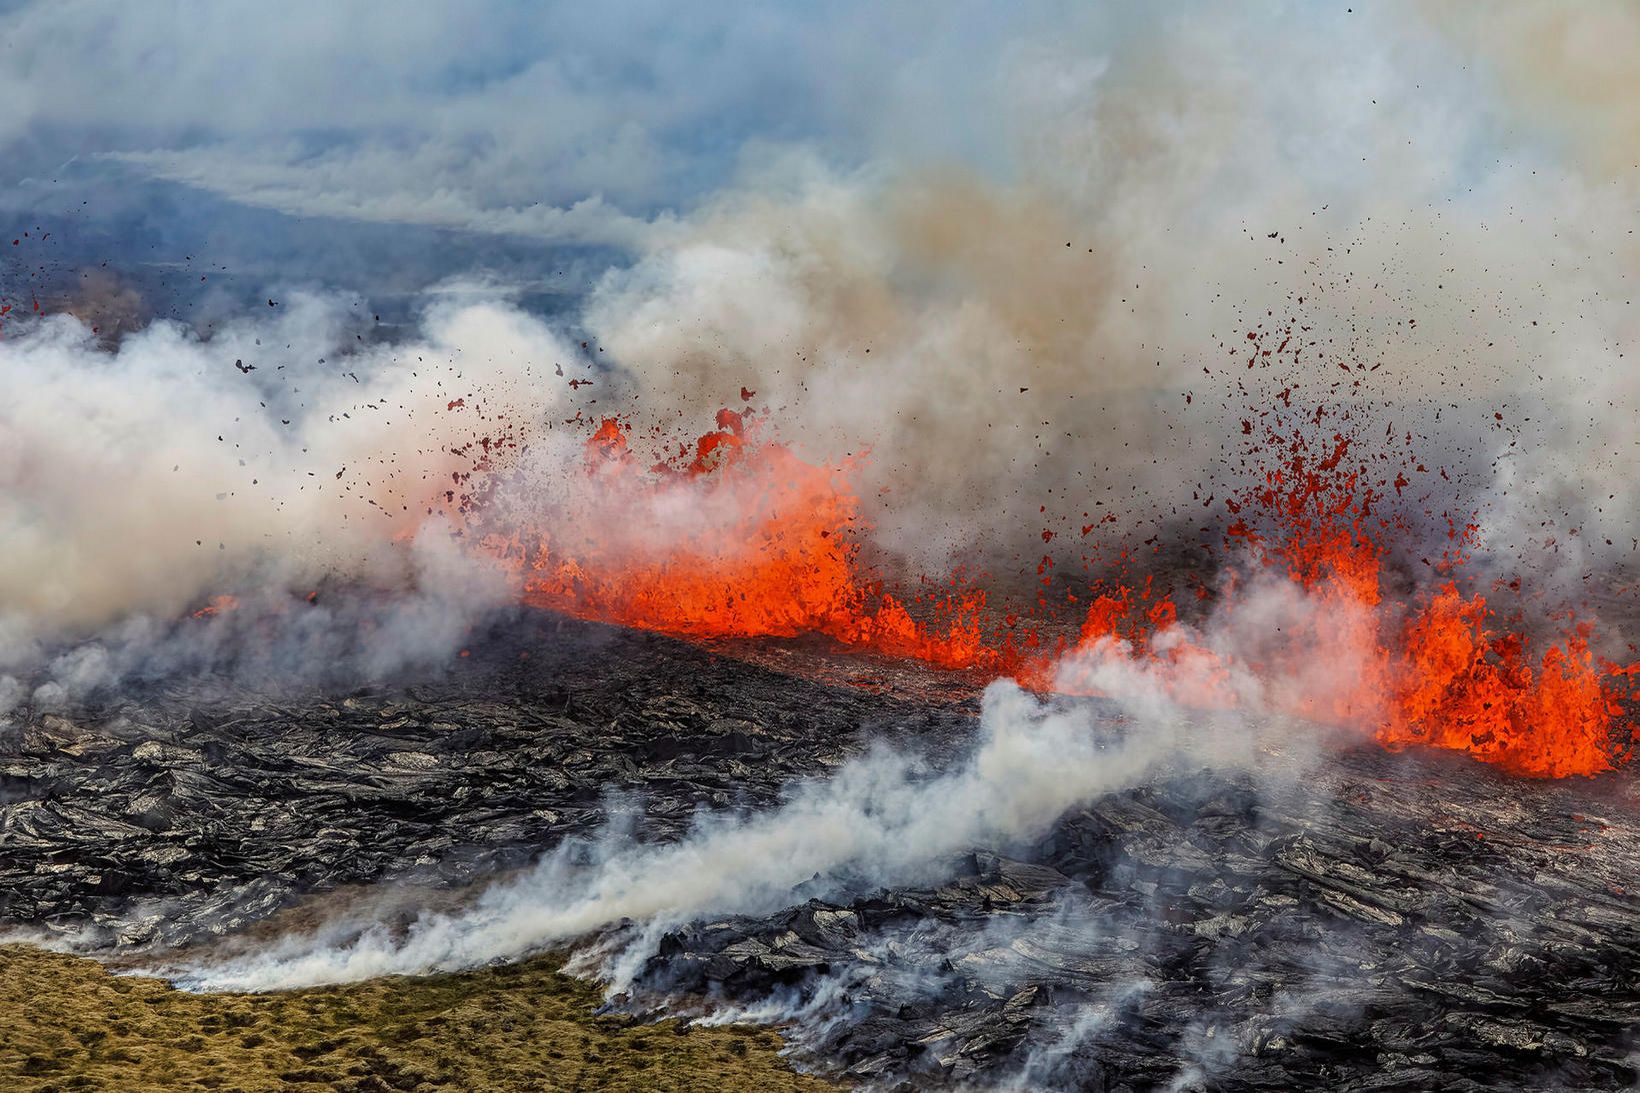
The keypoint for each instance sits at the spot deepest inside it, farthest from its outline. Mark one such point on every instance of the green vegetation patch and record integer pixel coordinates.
(67, 1024)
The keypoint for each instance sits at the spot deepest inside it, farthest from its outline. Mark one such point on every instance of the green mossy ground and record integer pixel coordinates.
(67, 1024)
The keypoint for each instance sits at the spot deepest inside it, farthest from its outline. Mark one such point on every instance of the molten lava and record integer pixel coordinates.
(744, 539)
(1433, 672)
(217, 606)
(741, 538)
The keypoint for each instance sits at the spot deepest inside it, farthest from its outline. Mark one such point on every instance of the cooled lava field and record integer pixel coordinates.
(1379, 921)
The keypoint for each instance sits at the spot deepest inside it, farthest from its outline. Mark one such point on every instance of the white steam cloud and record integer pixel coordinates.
(1000, 267)
(257, 462)
(884, 819)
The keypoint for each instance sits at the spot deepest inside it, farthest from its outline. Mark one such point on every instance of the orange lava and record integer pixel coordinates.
(741, 538)
(219, 605)
(1457, 684)
(1433, 672)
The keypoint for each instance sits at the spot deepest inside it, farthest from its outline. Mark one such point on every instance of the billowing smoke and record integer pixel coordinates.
(1012, 282)
(1015, 338)
(1567, 67)
(262, 461)
(886, 818)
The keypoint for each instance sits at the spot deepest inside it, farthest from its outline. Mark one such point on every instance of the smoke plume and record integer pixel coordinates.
(884, 819)
(1014, 338)
(1012, 283)
(261, 462)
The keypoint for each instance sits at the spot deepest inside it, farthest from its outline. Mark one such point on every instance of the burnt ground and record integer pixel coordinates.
(1388, 922)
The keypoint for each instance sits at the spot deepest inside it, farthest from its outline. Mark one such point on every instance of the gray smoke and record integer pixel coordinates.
(1019, 332)
(1011, 262)
(884, 819)
(263, 461)
(885, 816)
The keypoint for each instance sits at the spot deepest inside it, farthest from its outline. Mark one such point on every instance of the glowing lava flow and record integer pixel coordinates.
(746, 539)
(219, 605)
(1434, 672)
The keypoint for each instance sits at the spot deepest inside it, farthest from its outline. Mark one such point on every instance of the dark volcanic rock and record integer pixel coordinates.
(191, 808)
(1394, 922)
(1387, 922)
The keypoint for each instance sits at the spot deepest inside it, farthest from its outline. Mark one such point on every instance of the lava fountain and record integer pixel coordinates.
(737, 536)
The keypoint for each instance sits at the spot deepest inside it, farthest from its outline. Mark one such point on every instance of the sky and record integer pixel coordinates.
(995, 245)
(349, 142)
(380, 146)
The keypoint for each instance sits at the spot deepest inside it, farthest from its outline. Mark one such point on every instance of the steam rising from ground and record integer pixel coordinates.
(884, 819)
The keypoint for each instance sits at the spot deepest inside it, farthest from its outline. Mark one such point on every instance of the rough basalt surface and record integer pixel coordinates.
(186, 809)
(1384, 922)
(1390, 923)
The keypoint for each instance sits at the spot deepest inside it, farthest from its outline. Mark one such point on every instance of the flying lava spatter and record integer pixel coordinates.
(773, 554)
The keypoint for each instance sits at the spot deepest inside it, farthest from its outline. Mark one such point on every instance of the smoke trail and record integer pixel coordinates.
(884, 816)
(883, 819)
(1015, 339)
(1010, 305)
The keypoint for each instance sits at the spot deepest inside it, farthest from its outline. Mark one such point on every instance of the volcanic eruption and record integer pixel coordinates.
(1060, 549)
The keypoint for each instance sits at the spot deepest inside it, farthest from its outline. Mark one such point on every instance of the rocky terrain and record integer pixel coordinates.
(1387, 922)
(184, 810)
(1397, 923)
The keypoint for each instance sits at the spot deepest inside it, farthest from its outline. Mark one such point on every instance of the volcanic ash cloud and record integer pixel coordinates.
(1012, 333)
